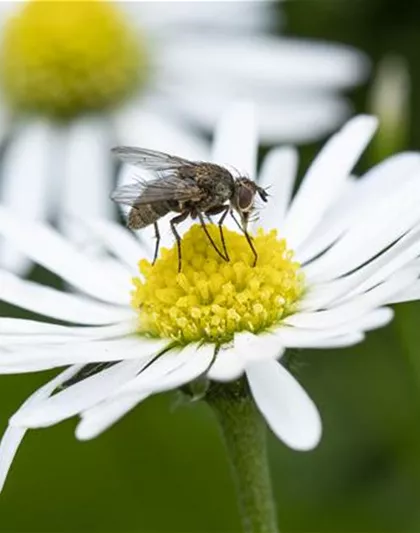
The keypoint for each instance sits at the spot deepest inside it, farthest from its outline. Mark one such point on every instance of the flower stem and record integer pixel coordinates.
(244, 432)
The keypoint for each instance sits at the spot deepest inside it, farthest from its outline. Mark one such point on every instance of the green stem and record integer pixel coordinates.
(244, 432)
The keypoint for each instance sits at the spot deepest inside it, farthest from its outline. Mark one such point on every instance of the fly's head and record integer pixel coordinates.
(244, 196)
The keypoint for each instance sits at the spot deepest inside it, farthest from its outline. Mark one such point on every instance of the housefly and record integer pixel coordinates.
(187, 188)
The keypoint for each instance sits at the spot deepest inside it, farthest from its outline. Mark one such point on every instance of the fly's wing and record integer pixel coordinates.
(149, 192)
(127, 194)
(150, 159)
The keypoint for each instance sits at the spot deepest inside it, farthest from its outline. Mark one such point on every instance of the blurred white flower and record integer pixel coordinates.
(181, 62)
(358, 246)
(390, 102)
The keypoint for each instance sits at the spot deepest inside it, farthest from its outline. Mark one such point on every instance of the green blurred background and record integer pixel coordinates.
(163, 467)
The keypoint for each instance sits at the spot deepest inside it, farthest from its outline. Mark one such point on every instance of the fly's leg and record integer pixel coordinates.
(206, 231)
(173, 222)
(157, 235)
(222, 235)
(251, 245)
(247, 237)
(216, 211)
(237, 222)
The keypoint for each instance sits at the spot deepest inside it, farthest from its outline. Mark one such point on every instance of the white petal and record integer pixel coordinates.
(49, 249)
(408, 294)
(30, 332)
(119, 241)
(326, 177)
(282, 116)
(227, 366)
(376, 297)
(99, 418)
(179, 18)
(171, 370)
(341, 341)
(269, 62)
(288, 410)
(23, 327)
(366, 277)
(19, 359)
(301, 118)
(103, 246)
(278, 174)
(376, 319)
(147, 127)
(197, 360)
(250, 347)
(323, 335)
(77, 397)
(324, 234)
(386, 175)
(26, 183)
(9, 445)
(356, 202)
(13, 435)
(57, 304)
(235, 142)
(87, 174)
(390, 217)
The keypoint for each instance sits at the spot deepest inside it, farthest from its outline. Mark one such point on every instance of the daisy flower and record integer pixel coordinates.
(80, 77)
(330, 261)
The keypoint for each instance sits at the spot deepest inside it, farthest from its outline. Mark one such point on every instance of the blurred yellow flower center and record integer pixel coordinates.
(211, 299)
(67, 57)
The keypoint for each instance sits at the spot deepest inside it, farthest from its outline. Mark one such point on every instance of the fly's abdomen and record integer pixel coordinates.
(144, 215)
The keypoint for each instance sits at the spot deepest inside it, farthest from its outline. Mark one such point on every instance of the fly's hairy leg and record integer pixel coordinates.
(247, 237)
(173, 222)
(236, 221)
(210, 238)
(157, 235)
(251, 245)
(224, 209)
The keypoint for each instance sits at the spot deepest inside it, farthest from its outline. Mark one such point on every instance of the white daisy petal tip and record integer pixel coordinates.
(289, 412)
(83, 433)
(101, 417)
(363, 121)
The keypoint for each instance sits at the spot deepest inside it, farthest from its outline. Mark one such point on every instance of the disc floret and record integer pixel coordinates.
(62, 58)
(210, 299)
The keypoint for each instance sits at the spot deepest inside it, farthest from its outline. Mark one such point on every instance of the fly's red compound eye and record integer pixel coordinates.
(245, 198)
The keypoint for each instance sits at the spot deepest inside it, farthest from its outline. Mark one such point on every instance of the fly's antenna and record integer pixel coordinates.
(267, 189)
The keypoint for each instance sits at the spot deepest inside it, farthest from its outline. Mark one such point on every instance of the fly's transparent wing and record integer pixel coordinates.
(150, 159)
(149, 192)
(127, 194)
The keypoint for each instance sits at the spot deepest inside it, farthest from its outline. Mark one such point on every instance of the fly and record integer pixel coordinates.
(187, 188)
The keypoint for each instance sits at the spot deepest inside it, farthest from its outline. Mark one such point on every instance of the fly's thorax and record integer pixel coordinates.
(216, 181)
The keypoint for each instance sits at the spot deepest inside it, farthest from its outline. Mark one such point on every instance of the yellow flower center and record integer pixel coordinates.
(211, 299)
(67, 57)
